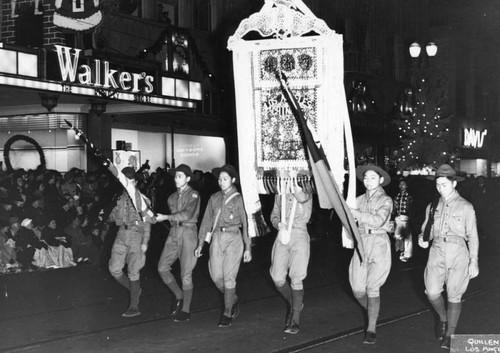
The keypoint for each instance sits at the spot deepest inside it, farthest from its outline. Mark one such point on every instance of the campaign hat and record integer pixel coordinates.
(446, 170)
(184, 168)
(360, 172)
(129, 172)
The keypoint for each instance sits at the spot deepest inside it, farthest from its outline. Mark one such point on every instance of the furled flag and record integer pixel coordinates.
(329, 195)
(140, 202)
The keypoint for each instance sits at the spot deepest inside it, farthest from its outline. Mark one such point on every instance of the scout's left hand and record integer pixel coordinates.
(473, 268)
(247, 256)
(144, 248)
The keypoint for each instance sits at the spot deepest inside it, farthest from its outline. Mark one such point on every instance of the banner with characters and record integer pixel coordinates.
(271, 151)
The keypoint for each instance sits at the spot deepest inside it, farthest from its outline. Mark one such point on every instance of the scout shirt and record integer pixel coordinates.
(375, 211)
(184, 206)
(125, 215)
(455, 217)
(233, 214)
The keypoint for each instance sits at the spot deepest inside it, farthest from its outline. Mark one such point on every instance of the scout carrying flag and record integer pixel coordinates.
(329, 195)
(140, 202)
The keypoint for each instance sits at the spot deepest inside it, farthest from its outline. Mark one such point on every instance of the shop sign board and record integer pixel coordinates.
(474, 138)
(100, 74)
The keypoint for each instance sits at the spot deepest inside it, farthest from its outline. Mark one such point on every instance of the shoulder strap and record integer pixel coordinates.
(231, 197)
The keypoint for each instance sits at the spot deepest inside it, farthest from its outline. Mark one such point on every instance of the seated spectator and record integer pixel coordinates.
(6, 211)
(34, 209)
(80, 244)
(27, 244)
(92, 231)
(8, 254)
(59, 250)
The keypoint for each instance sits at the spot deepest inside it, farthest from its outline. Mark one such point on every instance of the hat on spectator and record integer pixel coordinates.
(26, 222)
(184, 169)
(129, 172)
(228, 168)
(361, 170)
(446, 170)
(13, 220)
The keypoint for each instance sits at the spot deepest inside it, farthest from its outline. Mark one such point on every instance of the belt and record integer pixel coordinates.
(133, 224)
(186, 224)
(228, 229)
(454, 239)
(375, 231)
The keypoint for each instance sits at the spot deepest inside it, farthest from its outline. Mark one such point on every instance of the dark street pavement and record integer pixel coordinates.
(78, 309)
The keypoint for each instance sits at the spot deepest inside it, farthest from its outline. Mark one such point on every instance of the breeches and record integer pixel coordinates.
(291, 259)
(448, 264)
(370, 275)
(180, 244)
(226, 252)
(127, 250)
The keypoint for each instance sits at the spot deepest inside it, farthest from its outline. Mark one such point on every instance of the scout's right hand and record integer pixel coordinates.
(282, 226)
(198, 250)
(161, 217)
(423, 244)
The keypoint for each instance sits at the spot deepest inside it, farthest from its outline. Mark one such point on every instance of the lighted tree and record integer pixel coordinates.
(423, 126)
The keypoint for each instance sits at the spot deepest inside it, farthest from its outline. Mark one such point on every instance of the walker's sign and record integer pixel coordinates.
(474, 138)
(99, 74)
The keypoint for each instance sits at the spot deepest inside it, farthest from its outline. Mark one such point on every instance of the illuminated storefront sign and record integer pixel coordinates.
(474, 138)
(100, 74)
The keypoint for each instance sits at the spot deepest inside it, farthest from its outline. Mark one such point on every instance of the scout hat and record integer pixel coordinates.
(129, 172)
(184, 169)
(360, 172)
(228, 168)
(445, 170)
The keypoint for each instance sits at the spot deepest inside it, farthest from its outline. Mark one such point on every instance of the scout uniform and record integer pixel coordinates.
(453, 255)
(373, 211)
(225, 218)
(291, 256)
(129, 246)
(184, 206)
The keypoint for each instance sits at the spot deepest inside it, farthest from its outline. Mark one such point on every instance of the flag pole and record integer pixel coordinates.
(317, 154)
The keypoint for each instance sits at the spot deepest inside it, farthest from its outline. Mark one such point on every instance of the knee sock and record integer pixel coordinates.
(454, 310)
(135, 293)
(362, 298)
(373, 310)
(286, 292)
(174, 287)
(440, 307)
(297, 303)
(187, 295)
(229, 299)
(123, 280)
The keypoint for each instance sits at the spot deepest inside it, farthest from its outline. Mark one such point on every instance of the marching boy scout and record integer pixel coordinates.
(290, 255)
(453, 257)
(226, 220)
(130, 246)
(373, 212)
(184, 206)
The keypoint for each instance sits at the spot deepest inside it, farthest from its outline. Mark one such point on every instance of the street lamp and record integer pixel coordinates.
(415, 49)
